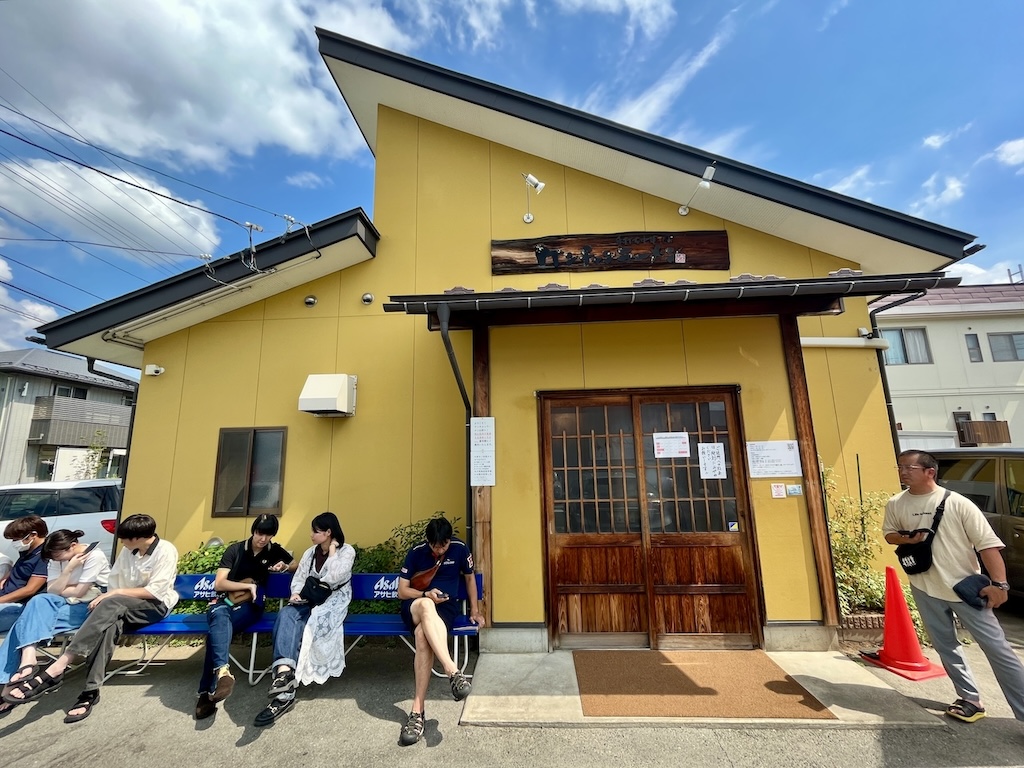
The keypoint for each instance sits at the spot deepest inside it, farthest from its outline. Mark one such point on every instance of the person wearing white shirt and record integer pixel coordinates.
(140, 591)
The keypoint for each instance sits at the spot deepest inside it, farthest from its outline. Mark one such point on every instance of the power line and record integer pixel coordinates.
(89, 242)
(123, 181)
(37, 296)
(80, 248)
(137, 163)
(82, 139)
(5, 257)
(23, 314)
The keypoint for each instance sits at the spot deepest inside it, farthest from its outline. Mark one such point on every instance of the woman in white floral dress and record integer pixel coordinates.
(309, 640)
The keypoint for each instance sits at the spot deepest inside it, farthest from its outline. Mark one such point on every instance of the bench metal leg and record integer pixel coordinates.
(254, 674)
(139, 666)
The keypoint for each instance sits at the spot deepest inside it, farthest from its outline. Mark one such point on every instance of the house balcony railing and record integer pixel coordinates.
(72, 422)
(983, 432)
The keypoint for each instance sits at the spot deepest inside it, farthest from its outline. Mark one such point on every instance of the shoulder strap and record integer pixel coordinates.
(939, 511)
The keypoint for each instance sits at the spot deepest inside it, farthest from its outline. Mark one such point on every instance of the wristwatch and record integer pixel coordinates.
(1001, 585)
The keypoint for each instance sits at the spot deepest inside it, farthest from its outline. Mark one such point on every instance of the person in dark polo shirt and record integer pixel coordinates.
(28, 573)
(244, 567)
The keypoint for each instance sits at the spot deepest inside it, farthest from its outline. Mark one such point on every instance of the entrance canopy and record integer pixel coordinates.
(652, 299)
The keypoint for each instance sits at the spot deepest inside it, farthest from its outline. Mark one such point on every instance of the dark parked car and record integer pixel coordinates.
(993, 478)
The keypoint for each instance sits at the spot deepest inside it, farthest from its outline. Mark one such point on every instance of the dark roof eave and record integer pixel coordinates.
(833, 206)
(694, 292)
(195, 282)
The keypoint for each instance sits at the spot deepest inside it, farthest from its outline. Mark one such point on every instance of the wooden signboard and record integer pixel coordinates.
(622, 250)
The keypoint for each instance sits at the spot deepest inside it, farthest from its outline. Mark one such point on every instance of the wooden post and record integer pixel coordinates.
(482, 494)
(814, 494)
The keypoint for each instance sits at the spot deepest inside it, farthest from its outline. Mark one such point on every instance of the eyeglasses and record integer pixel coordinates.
(901, 467)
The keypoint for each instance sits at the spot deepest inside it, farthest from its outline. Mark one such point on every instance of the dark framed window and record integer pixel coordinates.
(1006, 346)
(906, 346)
(66, 390)
(974, 348)
(250, 472)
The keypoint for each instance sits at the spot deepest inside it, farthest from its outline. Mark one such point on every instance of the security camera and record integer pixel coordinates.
(309, 301)
(154, 370)
(367, 298)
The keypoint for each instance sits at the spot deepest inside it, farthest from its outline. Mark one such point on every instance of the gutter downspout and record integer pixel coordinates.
(444, 314)
(875, 334)
(91, 367)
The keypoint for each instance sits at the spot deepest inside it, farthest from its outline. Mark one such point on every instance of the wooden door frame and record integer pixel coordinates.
(751, 559)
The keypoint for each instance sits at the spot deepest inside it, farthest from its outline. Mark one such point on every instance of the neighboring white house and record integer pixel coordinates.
(59, 420)
(955, 366)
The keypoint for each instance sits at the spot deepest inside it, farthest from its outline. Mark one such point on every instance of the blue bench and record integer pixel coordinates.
(365, 586)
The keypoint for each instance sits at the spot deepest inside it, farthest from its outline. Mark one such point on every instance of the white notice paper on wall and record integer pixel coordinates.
(481, 455)
(671, 445)
(774, 458)
(712, 460)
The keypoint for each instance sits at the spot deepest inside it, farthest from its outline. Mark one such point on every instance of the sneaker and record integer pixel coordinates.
(225, 685)
(282, 683)
(412, 731)
(274, 710)
(205, 706)
(461, 686)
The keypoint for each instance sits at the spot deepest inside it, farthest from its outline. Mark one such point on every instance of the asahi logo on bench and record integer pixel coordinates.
(385, 588)
(203, 589)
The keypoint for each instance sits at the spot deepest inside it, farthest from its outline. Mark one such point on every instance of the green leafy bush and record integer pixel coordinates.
(855, 534)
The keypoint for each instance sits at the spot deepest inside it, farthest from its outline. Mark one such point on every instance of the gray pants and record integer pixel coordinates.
(96, 637)
(984, 627)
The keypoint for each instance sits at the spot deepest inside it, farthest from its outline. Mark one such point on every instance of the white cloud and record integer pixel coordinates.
(972, 274)
(19, 317)
(650, 16)
(1011, 152)
(831, 12)
(938, 140)
(647, 111)
(938, 194)
(857, 184)
(307, 180)
(82, 205)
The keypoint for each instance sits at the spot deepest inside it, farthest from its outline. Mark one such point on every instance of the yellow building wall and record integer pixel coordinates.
(440, 198)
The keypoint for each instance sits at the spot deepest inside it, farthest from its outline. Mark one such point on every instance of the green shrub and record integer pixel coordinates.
(856, 538)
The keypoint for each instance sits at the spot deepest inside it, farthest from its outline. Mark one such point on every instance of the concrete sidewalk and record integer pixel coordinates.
(541, 690)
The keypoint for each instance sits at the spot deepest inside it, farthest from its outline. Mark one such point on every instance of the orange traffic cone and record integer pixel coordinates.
(900, 653)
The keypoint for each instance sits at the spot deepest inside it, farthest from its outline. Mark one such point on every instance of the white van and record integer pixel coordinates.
(91, 506)
(993, 478)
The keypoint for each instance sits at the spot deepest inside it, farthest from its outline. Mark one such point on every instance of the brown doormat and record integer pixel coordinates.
(727, 684)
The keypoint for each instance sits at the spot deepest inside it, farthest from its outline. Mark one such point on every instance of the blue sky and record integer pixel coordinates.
(915, 106)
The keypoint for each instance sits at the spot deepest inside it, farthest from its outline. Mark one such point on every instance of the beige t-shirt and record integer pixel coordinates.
(963, 531)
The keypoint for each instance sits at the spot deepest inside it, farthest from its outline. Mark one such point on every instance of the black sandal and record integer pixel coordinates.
(86, 700)
(965, 711)
(33, 688)
(27, 672)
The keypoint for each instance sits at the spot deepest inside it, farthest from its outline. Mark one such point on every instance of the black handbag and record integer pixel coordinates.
(316, 592)
(917, 558)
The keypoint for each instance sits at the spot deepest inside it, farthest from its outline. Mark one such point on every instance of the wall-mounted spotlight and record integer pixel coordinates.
(535, 183)
(704, 183)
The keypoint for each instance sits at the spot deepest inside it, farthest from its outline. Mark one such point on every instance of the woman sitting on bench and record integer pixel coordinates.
(309, 635)
(76, 574)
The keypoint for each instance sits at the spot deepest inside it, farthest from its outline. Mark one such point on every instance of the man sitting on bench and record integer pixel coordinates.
(140, 591)
(427, 586)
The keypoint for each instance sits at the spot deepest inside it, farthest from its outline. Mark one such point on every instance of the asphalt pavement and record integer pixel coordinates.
(355, 721)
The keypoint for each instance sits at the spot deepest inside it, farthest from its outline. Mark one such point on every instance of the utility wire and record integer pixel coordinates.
(82, 140)
(5, 257)
(89, 242)
(123, 181)
(136, 162)
(23, 314)
(37, 296)
(51, 234)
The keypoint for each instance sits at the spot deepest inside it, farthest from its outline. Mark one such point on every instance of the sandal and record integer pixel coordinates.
(26, 672)
(961, 709)
(34, 687)
(86, 700)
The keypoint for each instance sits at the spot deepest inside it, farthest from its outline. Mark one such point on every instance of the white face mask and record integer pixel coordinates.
(22, 546)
